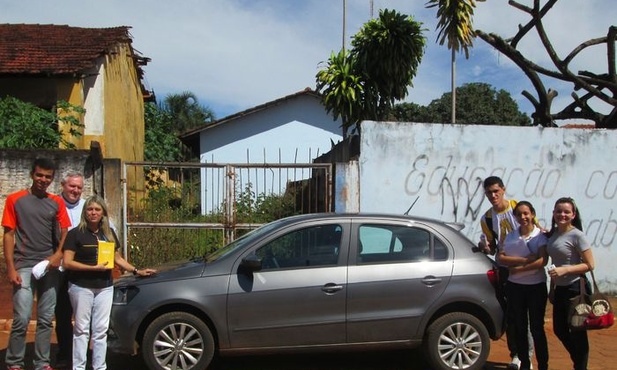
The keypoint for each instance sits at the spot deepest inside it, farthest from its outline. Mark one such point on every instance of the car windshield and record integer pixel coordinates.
(243, 240)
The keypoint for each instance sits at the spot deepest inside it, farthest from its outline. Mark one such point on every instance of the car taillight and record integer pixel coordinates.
(493, 276)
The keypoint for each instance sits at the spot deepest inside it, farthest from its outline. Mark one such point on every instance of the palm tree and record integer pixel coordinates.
(456, 25)
(186, 111)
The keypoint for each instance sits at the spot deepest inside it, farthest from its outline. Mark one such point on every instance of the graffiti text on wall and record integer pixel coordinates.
(459, 190)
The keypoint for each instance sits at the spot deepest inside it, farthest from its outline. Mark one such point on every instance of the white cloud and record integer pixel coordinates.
(235, 54)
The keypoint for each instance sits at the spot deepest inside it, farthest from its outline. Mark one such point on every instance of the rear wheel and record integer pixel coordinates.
(177, 341)
(455, 341)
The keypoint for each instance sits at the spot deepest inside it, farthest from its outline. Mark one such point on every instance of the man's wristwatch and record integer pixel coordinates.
(135, 271)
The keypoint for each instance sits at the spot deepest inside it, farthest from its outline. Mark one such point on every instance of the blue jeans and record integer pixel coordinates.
(23, 299)
(91, 308)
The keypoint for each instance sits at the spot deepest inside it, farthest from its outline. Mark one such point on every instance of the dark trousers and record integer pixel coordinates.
(510, 318)
(575, 341)
(64, 323)
(527, 304)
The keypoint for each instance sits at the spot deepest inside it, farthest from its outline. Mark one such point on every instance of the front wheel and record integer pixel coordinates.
(177, 341)
(457, 340)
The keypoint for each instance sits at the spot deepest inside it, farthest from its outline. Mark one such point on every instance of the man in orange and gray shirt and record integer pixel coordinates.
(35, 224)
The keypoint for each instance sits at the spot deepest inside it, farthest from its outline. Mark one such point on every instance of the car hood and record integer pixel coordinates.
(169, 271)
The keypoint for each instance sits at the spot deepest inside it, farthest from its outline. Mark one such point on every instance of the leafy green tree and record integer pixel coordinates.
(456, 26)
(341, 89)
(386, 53)
(161, 142)
(365, 82)
(25, 126)
(186, 111)
(410, 112)
(177, 114)
(479, 103)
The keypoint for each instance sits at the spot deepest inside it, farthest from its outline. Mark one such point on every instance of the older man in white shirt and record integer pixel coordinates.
(72, 187)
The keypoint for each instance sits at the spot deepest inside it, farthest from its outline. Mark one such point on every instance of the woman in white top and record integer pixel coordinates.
(524, 252)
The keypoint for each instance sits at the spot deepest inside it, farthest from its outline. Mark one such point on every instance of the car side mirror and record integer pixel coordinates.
(251, 263)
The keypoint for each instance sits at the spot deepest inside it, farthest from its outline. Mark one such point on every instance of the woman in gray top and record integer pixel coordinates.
(572, 257)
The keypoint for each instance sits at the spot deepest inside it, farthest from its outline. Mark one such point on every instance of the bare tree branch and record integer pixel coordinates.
(597, 86)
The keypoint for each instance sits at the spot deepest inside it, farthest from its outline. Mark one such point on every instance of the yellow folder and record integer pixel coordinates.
(107, 251)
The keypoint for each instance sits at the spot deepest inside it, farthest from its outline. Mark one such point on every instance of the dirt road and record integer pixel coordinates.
(603, 356)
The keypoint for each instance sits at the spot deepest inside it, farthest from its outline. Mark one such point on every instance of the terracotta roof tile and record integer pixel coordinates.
(579, 125)
(55, 49)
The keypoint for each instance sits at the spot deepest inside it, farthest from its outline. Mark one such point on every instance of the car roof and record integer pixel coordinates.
(369, 215)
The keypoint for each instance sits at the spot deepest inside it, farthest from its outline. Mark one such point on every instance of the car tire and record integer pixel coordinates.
(457, 340)
(177, 340)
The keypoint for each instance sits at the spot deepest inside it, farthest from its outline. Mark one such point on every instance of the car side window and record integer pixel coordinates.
(307, 247)
(441, 251)
(389, 243)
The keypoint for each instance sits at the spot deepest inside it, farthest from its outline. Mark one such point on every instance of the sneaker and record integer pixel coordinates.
(514, 364)
(47, 367)
(14, 368)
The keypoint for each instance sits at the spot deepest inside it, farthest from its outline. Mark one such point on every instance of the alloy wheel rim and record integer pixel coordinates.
(460, 346)
(178, 346)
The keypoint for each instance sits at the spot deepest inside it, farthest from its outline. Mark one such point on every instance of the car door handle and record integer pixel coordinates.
(331, 288)
(431, 280)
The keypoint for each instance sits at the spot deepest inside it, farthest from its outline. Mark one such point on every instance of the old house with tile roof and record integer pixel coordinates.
(95, 68)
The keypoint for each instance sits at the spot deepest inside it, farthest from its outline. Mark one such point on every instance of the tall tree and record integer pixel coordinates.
(386, 53)
(186, 111)
(595, 86)
(456, 26)
(164, 122)
(479, 104)
(341, 89)
(161, 142)
(364, 82)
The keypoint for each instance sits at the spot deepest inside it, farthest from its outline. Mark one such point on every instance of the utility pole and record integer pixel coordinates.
(344, 20)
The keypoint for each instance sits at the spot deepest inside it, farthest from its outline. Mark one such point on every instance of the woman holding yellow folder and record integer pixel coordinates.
(87, 255)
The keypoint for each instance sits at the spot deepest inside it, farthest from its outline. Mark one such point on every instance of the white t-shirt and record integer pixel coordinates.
(519, 246)
(74, 210)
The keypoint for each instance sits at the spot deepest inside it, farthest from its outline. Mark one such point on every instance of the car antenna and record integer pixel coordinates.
(412, 204)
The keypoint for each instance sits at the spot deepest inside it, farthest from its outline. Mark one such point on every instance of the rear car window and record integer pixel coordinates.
(391, 243)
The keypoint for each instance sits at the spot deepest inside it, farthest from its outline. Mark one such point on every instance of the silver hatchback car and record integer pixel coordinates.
(317, 282)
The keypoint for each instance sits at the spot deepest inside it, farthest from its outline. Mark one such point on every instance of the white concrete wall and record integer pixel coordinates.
(443, 165)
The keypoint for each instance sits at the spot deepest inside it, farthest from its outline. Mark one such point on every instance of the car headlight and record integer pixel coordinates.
(124, 294)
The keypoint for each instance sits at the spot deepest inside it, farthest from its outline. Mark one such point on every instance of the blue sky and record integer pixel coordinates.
(236, 54)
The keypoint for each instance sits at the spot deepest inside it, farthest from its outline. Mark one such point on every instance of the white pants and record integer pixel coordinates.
(91, 308)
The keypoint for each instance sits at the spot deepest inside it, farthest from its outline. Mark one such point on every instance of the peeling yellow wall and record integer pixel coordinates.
(122, 134)
(124, 108)
(70, 91)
